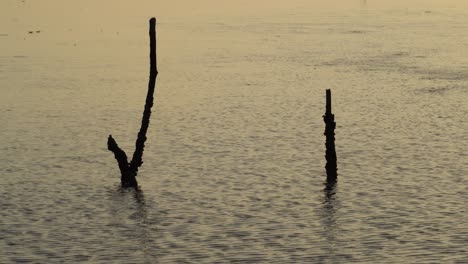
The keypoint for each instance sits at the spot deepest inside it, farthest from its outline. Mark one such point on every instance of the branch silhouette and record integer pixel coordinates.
(129, 170)
(330, 153)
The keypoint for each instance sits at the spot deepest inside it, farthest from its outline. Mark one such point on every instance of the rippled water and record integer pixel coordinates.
(234, 166)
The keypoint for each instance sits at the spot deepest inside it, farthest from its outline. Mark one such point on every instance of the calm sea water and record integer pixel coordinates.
(234, 165)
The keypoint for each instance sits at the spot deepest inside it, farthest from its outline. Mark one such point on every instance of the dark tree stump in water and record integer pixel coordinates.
(330, 153)
(130, 170)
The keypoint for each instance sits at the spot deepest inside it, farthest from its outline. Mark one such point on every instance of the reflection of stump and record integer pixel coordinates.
(330, 153)
(130, 170)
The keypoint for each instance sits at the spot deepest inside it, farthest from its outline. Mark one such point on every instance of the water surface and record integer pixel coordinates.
(234, 165)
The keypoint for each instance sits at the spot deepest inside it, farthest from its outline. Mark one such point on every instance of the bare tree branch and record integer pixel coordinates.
(130, 170)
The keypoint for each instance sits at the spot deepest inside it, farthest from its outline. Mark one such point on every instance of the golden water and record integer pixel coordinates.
(234, 165)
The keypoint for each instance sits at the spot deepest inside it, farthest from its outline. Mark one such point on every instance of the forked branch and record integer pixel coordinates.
(130, 170)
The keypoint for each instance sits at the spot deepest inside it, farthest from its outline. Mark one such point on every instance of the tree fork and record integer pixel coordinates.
(130, 170)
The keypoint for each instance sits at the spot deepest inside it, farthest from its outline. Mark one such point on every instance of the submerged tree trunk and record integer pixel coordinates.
(129, 170)
(330, 153)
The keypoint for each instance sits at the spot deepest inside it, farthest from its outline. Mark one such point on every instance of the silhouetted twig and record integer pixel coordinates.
(129, 170)
(330, 153)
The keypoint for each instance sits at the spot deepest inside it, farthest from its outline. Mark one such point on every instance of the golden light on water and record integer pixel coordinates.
(234, 161)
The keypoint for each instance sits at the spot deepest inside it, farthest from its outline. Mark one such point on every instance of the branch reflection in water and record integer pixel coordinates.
(131, 221)
(330, 207)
